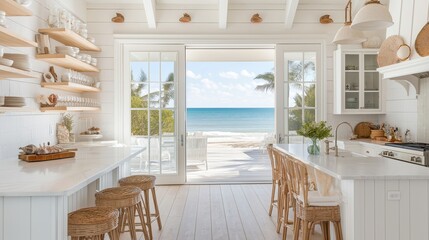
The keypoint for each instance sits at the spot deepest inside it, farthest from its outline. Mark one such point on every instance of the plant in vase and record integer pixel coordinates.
(315, 132)
(67, 121)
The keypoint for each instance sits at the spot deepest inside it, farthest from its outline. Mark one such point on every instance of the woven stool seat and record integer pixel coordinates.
(118, 197)
(144, 182)
(92, 221)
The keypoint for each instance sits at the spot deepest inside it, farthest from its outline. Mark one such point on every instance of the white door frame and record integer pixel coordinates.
(221, 40)
(321, 82)
(122, 100)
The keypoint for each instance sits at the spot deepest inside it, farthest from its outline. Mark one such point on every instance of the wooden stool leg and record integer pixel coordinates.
(142, 220)
(155, 202)
(131, 222)
(338, 231)
(147, 208)
(121, 220)
(280, 207)
(273, 192)
(305, 230)
(325, 230)
(296, 229)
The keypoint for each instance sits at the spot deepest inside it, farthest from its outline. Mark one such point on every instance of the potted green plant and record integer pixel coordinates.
(315, 132)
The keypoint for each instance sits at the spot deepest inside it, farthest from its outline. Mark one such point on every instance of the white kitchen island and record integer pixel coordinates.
(382, 199)
(35, 198)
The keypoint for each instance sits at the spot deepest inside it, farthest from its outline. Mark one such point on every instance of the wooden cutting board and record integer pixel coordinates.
(363, 130)
(46, 157)
(387, 53)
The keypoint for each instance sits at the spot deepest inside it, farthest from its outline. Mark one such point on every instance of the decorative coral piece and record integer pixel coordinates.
(186, 18)
(326, 19)
(256, 18)
(119, 18)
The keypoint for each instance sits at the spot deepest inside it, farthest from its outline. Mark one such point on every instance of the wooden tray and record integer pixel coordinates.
(46, 157)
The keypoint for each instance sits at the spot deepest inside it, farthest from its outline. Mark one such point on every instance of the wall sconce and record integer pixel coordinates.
(185, 19)
(119, 18)
(256, 18)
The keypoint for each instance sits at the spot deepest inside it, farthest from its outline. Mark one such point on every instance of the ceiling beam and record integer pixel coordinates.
(291, 6)
(150, 9)
(223, 13)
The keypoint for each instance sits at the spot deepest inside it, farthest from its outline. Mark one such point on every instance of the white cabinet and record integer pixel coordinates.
(357, 84)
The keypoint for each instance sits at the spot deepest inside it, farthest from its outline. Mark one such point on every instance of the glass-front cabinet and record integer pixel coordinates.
(357, 84)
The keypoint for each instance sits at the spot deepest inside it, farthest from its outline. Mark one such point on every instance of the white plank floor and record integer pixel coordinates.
(216, 212)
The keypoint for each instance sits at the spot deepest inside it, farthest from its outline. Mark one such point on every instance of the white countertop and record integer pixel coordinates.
(346, 168)
(63, 176)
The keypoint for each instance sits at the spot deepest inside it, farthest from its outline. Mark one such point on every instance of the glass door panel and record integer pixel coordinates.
(372, 100)
(370, 62)
(352, 62)
(154, 115)
(297, 89)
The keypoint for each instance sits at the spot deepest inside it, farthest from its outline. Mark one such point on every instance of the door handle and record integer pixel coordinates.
(182, 140)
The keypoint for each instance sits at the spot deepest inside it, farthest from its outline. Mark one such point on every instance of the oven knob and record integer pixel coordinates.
(390, 154)
(418, 159)
(385, 153)
(413, 159)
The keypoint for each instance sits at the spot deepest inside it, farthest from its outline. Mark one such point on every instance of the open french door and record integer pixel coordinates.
(299, 91)
(154, 109)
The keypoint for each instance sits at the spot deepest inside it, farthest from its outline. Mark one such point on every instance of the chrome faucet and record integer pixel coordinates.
(336, 136)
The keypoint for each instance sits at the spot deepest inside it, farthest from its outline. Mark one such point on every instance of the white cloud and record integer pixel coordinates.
(209, 84)
(248, 74)
(192, 75)
(229, 74)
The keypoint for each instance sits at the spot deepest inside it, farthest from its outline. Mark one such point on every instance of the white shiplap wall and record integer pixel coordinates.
(17, 129)
(204, 22)
(402, 110)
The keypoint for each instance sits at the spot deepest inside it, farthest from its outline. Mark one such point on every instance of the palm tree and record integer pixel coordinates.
(269, 85)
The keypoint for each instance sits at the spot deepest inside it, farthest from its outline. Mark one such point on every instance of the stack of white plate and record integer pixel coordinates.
(14, 101)
(20, 61)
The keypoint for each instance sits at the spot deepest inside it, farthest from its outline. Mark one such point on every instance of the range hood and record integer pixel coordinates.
(408, 72)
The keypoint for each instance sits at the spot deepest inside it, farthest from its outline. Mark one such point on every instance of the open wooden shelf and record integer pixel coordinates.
(70, 38)
(66, 61)
(70, 87)
(68, 109)
(17, 109)
(10, 72)
(10, 39)
(13, 8)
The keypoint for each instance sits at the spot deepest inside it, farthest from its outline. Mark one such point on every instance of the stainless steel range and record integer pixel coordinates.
(417, 153)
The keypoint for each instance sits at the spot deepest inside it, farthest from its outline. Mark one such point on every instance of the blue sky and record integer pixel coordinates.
(213, 84)
(226, 84)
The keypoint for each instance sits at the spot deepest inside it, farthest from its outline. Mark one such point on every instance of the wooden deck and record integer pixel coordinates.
(203, 212)
(232, 165)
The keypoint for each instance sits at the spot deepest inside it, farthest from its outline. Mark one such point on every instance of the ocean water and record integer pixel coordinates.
(230, 120)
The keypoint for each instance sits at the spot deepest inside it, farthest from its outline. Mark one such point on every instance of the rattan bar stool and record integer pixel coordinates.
(276, 176)
(147, 184)
(310, 206)
(128, 201)
(93, 223)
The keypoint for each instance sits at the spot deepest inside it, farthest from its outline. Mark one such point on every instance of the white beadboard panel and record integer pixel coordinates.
(369, 206)
(392, 212)
(359, 205)
(380, 210)
(406, 23)
(17, 211)
(404, 211)
(1, 218)
(43, 224)
(419, 217)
